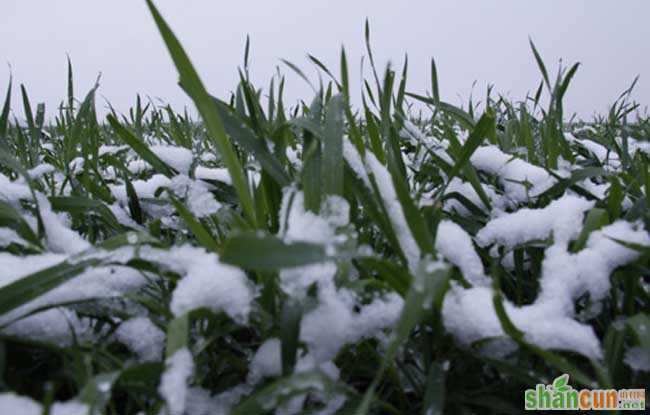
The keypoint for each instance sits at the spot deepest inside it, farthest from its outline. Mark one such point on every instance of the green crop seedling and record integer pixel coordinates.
(266, 257)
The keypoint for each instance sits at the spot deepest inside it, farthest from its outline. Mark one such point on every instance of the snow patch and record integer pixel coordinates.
(173, 383)
(512, 172)
(456, 246)
(143, 338)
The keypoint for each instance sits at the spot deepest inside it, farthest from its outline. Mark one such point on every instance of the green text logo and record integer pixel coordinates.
(562, 396)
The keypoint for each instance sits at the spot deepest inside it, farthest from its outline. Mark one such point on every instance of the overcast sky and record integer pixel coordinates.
(482, 41)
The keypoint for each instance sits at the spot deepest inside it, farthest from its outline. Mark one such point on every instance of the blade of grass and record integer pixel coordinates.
(290, 334)
(82, 205)
(247, 139)
(203, 236)
(435, 92)
(10, 217)
(271, 253)
(38, 283)
(141, 148)
(193, 85)
(34, 285)
(332, 159)
(466, 120)
(476, 137)
(540, 63)
(97, 392)
(4, 115)
(178, 331)
(70, 108)
(434, 395)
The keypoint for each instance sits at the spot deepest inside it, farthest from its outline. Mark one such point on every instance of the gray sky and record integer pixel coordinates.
(483, 41)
